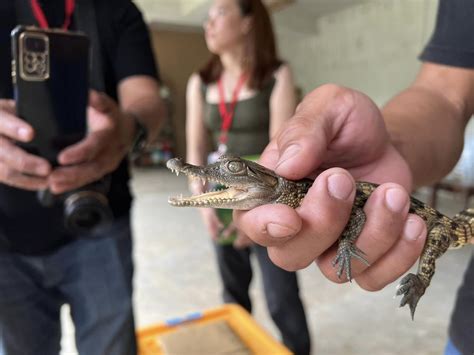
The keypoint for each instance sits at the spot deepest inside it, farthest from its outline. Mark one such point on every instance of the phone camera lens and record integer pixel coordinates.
(35, 44)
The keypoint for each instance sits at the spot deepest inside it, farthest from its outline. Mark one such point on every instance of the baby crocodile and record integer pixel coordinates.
(250, 185)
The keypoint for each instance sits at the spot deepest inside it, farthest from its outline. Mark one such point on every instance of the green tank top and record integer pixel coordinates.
(248, 134)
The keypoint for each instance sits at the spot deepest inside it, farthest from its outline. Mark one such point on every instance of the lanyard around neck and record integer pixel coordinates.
(227, 114)
(41, 17)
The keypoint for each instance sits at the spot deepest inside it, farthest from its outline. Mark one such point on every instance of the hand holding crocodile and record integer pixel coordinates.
(250, 185)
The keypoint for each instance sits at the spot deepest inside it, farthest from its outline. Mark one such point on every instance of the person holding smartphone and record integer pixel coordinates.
(43, 264)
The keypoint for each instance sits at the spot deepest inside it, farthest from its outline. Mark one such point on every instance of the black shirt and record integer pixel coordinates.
(26, 226)
(452, 44)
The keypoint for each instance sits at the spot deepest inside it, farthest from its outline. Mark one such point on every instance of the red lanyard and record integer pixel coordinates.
(41, 18)
(227, 115)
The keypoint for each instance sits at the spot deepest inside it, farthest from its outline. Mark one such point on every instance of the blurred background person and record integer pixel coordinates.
(235, 104)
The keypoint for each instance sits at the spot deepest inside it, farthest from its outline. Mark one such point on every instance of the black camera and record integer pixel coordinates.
(85, 208)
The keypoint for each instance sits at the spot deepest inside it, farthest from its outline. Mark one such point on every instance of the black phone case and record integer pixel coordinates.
(50, 81)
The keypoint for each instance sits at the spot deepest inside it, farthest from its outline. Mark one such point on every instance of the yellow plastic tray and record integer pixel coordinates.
(256, 339)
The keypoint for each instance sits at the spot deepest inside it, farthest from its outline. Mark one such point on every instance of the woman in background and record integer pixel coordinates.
(235, 103)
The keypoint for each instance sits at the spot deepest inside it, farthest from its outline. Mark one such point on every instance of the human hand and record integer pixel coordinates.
(99, 153)
(338, 127)
(241, 241)
(212, 222)
(17, 167)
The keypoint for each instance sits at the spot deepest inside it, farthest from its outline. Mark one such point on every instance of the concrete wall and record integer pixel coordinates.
(370, 46)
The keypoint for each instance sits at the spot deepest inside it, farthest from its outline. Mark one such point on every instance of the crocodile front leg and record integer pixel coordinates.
(346, 249)
(412, 286)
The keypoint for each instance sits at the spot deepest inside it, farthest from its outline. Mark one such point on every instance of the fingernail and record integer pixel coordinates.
(396, 199)
(340, 186)
(412, 230)
(278, 231)
(24, 132)
(289, 153)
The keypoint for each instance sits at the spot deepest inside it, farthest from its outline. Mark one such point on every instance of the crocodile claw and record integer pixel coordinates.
(412, 287)
(345, 251)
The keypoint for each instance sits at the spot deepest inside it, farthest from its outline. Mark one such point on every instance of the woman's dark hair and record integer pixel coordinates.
(261, 58)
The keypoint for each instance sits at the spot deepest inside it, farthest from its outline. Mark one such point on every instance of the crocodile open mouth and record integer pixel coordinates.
(241, 184)
(223, 194)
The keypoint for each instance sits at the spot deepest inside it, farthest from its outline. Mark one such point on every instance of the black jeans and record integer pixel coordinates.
(280, 288)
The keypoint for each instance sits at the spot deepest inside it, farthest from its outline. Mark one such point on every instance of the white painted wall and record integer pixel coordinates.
(370, 46)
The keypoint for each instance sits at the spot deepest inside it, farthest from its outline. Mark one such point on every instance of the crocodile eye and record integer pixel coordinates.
(235, 166)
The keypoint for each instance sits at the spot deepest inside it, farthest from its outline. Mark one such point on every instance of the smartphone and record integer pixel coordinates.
(50, 74)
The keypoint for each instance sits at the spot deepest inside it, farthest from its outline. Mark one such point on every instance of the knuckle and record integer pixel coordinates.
(3, 173)
(369, 283)
(4, 145)
(326, 268)
(23, 164)
(336, 89)
(381, 237)
(7, 176)
(338, 92)
(286, 261)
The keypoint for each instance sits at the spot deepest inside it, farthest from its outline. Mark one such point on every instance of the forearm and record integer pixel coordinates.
(197, 144)
(150, 112)
(428, 130)
(140, 101)
(196, 151)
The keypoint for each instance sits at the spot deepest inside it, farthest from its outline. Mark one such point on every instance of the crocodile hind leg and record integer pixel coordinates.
(412, 286)
(346, 248)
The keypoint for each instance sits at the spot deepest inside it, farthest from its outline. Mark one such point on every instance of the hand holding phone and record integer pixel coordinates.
(18, 168)
(50, 71)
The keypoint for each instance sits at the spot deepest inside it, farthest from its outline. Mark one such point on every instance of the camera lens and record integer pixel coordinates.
(35, 44)
(85, 210)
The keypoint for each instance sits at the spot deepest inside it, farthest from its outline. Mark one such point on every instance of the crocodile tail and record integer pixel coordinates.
(464, 229)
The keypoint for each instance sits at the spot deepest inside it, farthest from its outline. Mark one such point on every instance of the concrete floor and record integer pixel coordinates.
(176, 275)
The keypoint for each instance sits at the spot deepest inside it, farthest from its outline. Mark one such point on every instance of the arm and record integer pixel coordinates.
(111, 133)
(139, 97)
(196, 135)
(426, 121)
(282, 100)
(197, 147)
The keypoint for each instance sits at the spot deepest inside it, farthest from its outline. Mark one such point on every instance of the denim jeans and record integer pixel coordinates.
(93, 275)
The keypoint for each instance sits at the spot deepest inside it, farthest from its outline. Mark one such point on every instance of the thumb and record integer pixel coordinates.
(301, 145)
(303, 142)
(100, 101)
